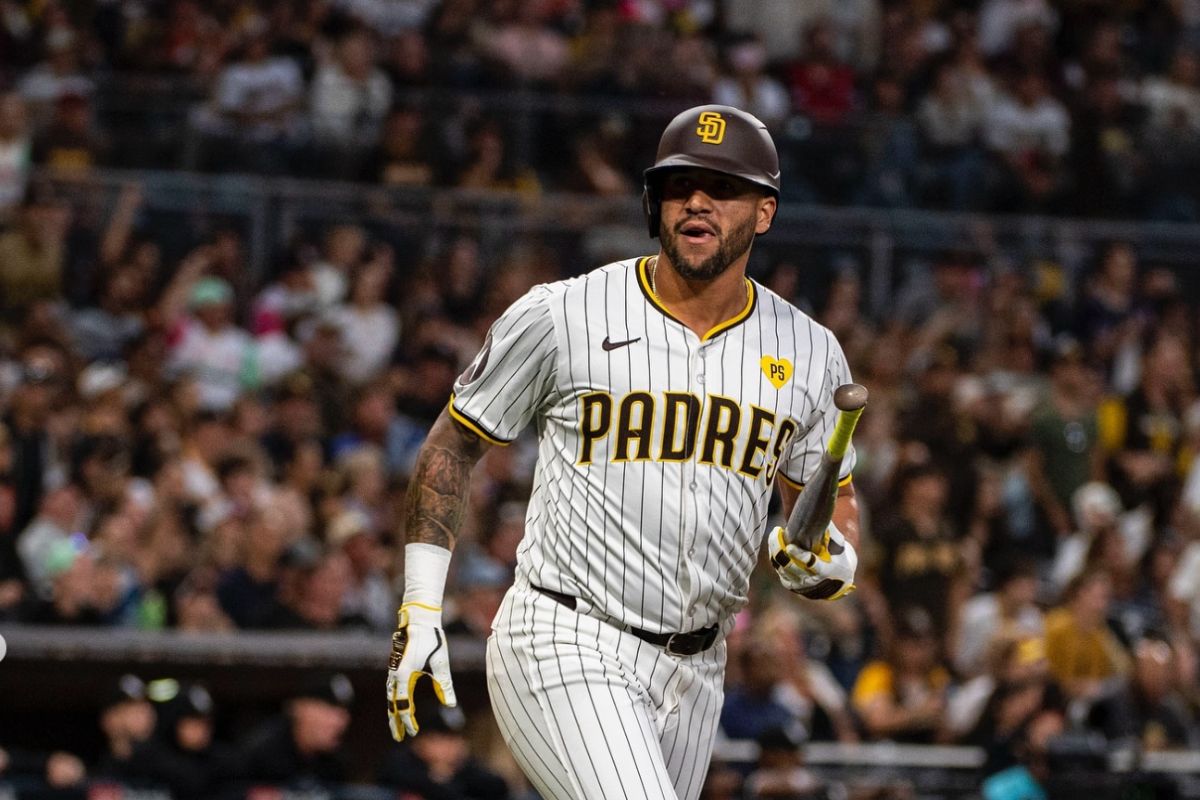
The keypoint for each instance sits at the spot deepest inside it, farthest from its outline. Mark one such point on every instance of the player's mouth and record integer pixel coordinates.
(697, 232)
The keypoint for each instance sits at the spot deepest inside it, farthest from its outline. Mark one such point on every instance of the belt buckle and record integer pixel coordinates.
(682, 650)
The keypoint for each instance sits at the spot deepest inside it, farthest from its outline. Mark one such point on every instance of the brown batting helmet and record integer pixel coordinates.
(720, 138)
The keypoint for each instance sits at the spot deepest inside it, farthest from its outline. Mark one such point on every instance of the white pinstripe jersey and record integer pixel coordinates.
(658, 448)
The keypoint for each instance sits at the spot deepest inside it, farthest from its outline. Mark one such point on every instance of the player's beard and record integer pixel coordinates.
(729, 249)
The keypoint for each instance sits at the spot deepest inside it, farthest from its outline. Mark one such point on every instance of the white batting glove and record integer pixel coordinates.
(824, 574)
(418, 648)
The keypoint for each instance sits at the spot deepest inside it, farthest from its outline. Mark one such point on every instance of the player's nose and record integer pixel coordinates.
(698, 201)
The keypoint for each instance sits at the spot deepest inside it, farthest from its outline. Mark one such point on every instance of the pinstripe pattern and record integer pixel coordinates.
(665, 545)
(591, 711)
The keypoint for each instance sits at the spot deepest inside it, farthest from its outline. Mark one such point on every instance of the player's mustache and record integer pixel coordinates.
(716, 229)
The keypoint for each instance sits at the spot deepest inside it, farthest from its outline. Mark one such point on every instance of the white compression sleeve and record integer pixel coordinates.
(425, 569)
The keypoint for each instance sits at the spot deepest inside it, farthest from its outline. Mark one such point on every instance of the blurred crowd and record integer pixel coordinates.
(184, 449)
(183, 446)
(164, 738)
(1074, 107)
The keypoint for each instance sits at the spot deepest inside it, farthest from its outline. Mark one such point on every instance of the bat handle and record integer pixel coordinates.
(850, 400)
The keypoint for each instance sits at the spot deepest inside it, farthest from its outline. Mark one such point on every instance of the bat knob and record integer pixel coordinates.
(850, 397)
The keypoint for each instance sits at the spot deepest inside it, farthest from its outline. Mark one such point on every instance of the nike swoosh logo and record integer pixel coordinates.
(608, 345)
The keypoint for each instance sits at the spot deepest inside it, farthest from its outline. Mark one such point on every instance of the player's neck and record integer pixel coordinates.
(700, 305)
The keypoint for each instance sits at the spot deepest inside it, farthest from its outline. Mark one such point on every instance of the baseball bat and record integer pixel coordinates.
(814, 508)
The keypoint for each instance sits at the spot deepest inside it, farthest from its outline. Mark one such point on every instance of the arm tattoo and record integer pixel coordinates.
(437, 494)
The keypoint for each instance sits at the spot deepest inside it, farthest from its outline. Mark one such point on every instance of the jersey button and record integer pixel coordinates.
(692, 485)
(700, 378)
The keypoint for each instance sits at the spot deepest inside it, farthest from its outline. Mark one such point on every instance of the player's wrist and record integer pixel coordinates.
(425, 570)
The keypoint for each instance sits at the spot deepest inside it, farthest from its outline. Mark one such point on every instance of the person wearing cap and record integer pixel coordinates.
(302, 748)
(248, 592)
(369, 595)
(127, 719)
(482, 582)
(74, 598)
(438, 765)
(221, 356)
(60, 513)
(1064, 451)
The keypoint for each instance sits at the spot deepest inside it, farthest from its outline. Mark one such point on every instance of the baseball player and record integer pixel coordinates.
(669, 394)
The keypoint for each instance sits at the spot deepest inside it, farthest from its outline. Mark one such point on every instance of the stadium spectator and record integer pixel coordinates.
(1064, 451)
(32, 253)
(747, 85)
(196, 606)
(992, 708)
(1009, 608)
(183, 754)
(518, 41)
(780, 770)
(821, 85)
(16, 152)
(127, 718)
(919, 564)
(248, 591)
(902, 697)
(1097, 508)
(254, 114)
(60, 74)
(106, 330)
(369, 596)
(754, 706)
(438, 765)
(57, 770)
(71, 142)
(350, 94)
(1108, 167)
(1151, 709)
(368, 320)
(481, 582)
(1085, 657)
(60, 515)
(1030, 132)
(1143, 432)
(950, 117)
(808, 688)
(210, 348)
(404, 153)
(488, 162)
(302, 748)
(74, 593)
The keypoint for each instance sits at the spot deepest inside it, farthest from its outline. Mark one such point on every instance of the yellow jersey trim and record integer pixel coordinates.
(644, 282)
(800, 486)
(473, 426)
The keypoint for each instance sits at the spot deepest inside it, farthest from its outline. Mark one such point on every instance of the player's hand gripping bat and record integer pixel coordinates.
(810, 554)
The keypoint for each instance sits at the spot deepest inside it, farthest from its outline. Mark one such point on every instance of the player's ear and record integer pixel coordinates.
(767, 207)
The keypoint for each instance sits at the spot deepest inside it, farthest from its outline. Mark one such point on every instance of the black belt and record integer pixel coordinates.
(677, 644)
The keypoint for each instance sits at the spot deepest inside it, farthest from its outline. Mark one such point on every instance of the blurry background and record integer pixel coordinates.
(247, 247)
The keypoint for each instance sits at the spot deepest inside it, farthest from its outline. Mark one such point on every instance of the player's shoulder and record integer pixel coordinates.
(588, 281)
(788, 316)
